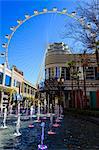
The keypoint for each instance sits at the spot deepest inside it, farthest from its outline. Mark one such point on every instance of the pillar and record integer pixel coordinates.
(2, 94)
(48, 103)
(64, 101)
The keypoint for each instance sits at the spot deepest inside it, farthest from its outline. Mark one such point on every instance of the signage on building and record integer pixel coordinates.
(18, 71)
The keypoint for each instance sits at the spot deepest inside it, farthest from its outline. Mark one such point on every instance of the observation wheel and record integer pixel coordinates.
(28, 17)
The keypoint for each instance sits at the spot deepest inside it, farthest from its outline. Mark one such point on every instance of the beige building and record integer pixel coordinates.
(69, 79)
(13, 84)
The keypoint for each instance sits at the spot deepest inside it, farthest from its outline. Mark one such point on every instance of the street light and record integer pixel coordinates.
(71, 66)
(84, 62)
(61, 80)
(60, 83)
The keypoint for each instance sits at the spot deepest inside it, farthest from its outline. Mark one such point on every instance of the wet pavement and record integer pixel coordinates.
(73, 134)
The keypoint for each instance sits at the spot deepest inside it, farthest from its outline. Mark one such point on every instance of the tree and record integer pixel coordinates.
(86, 29)
(71, 65)
(75, 74)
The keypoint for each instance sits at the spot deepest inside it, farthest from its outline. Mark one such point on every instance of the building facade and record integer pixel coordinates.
(13, 85)
(74, 76)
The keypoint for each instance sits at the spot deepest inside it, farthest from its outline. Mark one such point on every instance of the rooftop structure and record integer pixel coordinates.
(58, 47)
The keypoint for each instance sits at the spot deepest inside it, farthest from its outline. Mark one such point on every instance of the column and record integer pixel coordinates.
(3, 83)
(48, 103)
(4, 74)
(12, 77)
(64, 102)
(2, 93)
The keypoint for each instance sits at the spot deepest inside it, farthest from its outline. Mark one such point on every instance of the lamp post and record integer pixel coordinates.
(97, 56)
(71, 66)
(60, 83)
(84, 63)
(49, 86)
(48, 89)
(76, 75)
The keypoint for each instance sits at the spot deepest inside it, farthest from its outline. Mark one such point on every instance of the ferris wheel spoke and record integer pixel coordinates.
(54, 12)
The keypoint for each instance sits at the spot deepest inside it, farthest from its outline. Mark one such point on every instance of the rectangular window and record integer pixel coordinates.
(18, 84)
(32, 92)
(24, 89)
(96, 73)
(52, 72)
(58, 72)
(28, 90)
(90, 73)
(1, 77)
(7, 81)
(67, 73)
(47, 73)
(14, 84)
(63, 72)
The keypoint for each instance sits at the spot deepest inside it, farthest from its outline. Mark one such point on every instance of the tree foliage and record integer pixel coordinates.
(86, 29)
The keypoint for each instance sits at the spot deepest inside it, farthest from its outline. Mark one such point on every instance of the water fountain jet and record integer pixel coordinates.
(42, 146)
(4, 119)
(38, 113)
(17, 133)
(51, 124)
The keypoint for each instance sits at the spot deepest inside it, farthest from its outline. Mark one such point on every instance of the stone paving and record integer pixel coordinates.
(73, 134)
(81, 131)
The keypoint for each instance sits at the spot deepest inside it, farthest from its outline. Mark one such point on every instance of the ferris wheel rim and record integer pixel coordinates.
(28, 17)
(36, 13)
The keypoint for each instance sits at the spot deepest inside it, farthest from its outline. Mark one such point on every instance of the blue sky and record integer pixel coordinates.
(27, 47)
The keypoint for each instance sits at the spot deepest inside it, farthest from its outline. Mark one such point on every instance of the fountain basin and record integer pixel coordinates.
(3, 127)
(42, 147)
(17, 134)
(60, 117)
(44, 118)
(57, 120)
(25, 118)
(56, 125)
(51, 133)
(37, 121)
(34, 116)
(31, 126)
